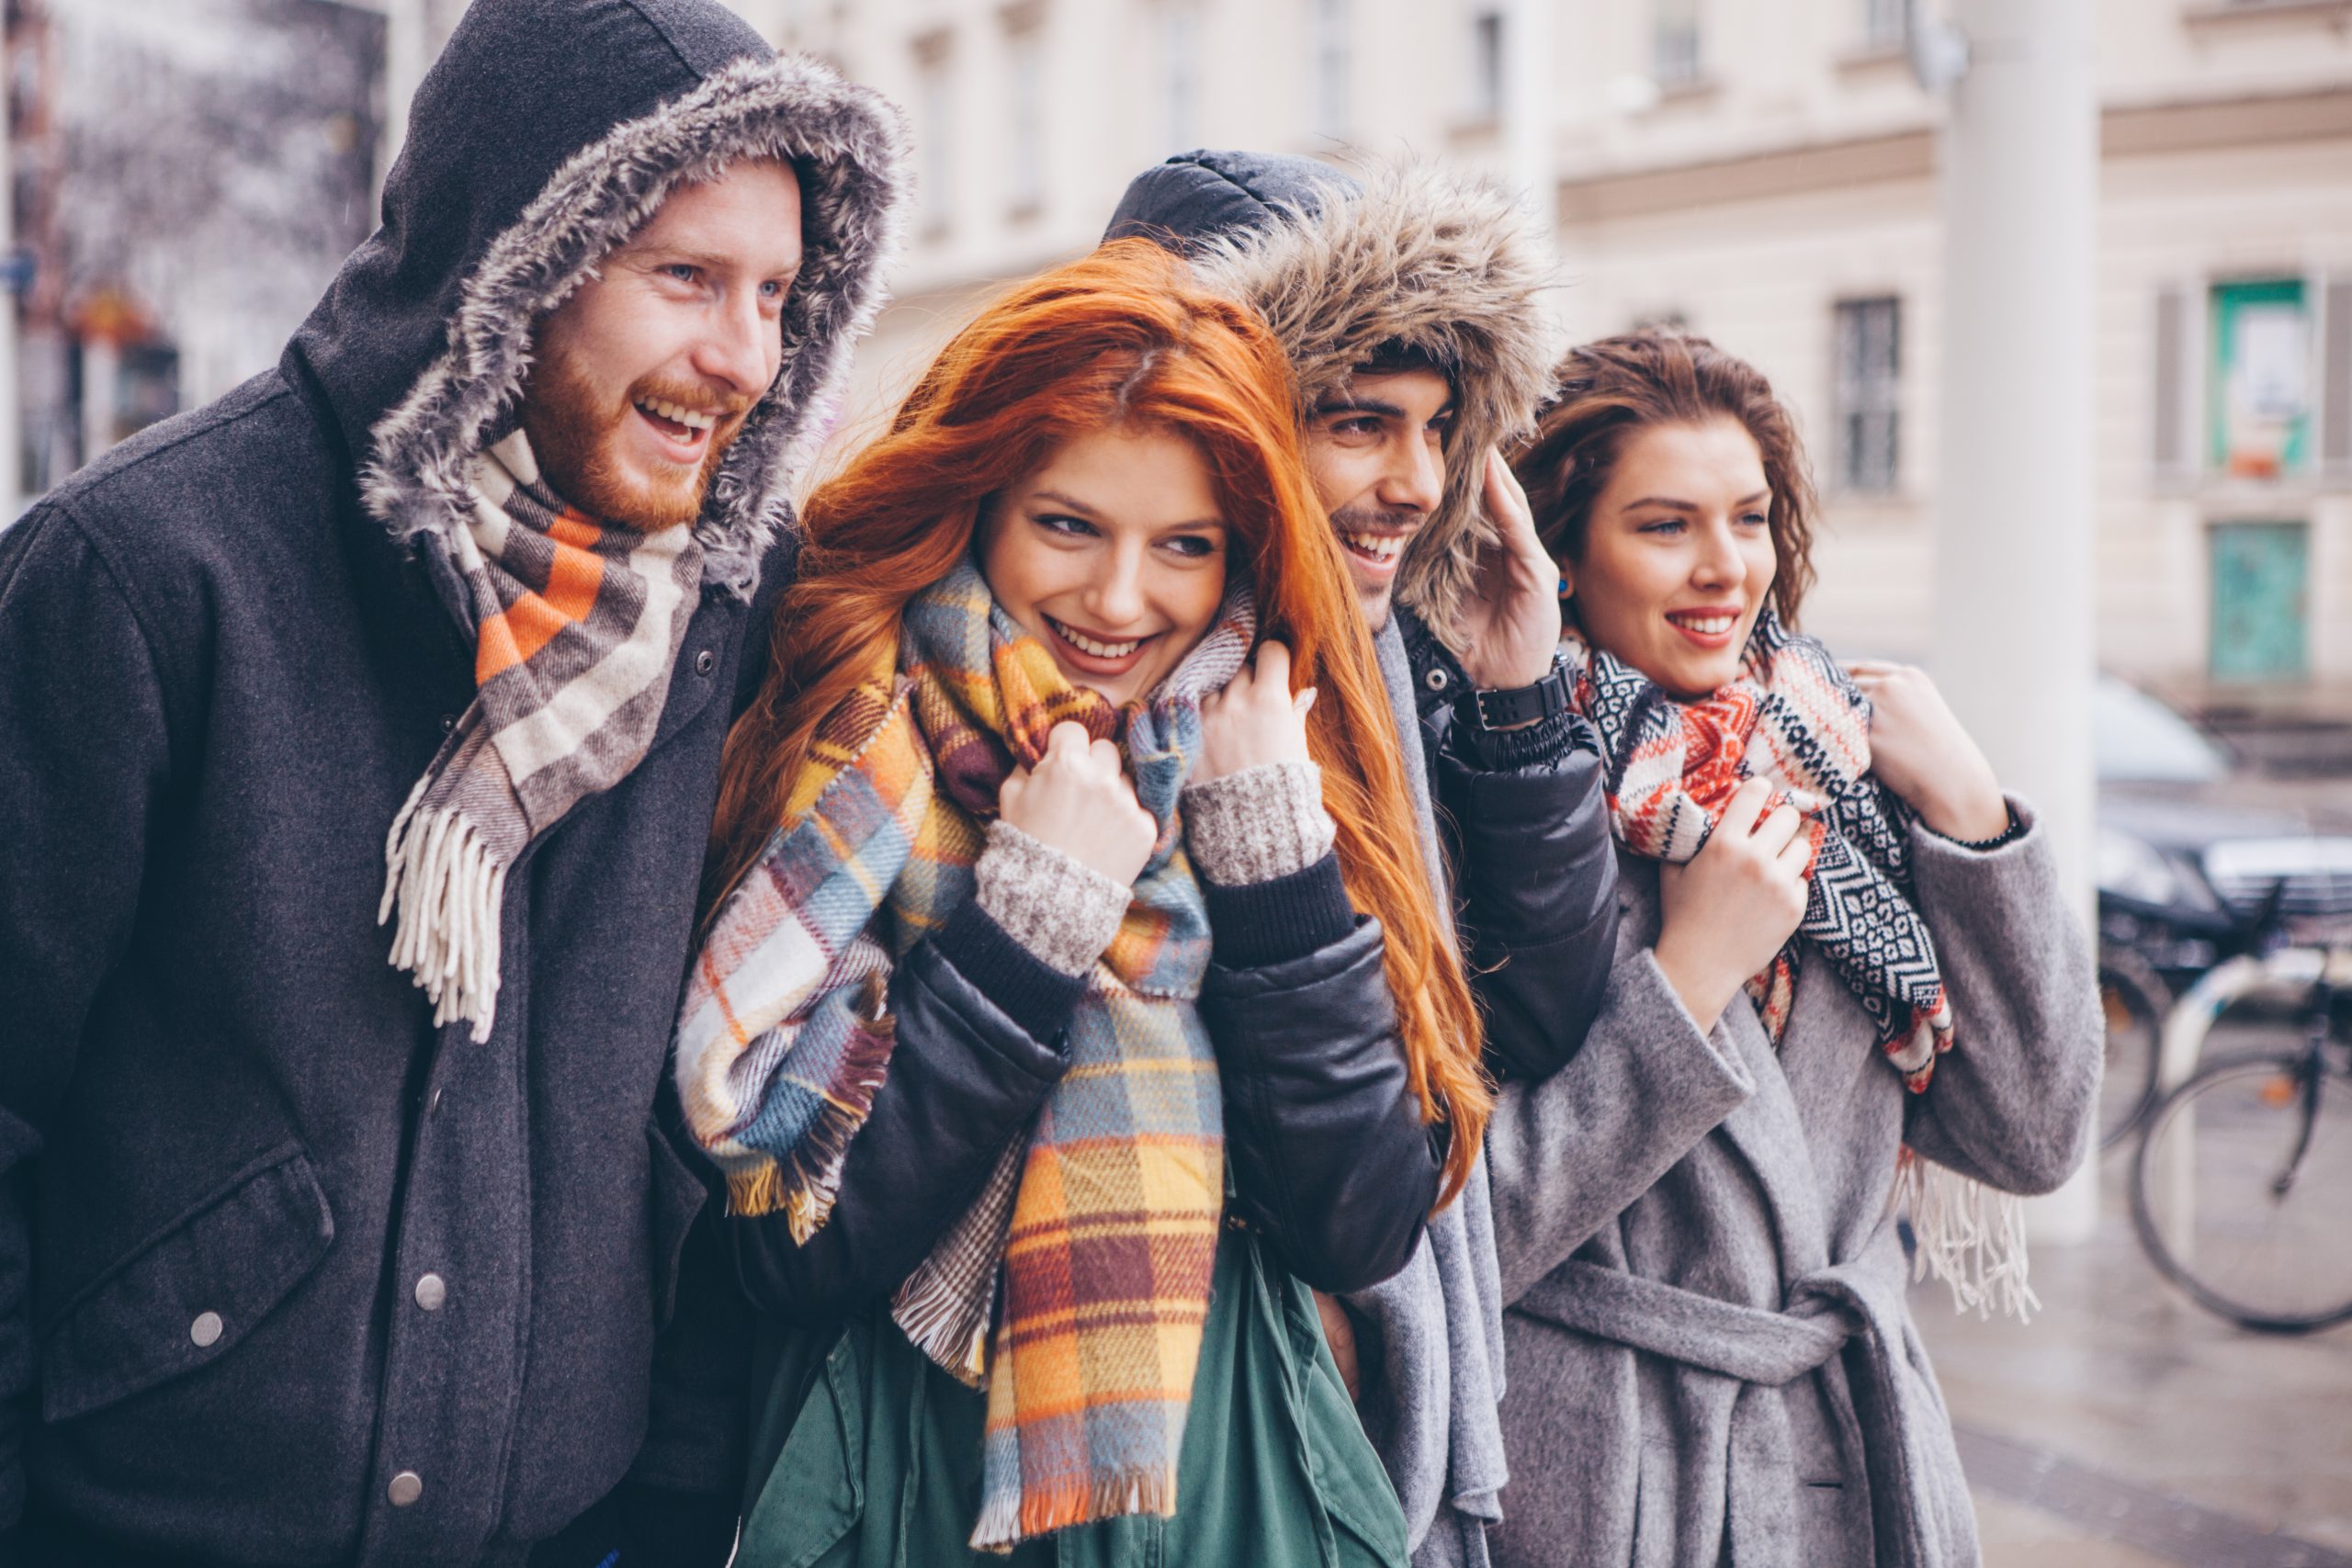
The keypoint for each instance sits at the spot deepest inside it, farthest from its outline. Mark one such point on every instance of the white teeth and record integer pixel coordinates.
(1099, 649)
(1705, 626)
(1380, 547)
(692, 419)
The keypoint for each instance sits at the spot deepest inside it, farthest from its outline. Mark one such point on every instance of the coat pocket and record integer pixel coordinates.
(674, 1196)
(188, 1295)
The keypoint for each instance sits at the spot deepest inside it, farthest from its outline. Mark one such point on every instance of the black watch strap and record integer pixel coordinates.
(1525, 704)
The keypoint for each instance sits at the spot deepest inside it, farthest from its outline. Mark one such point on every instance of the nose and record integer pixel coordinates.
(1720, 564)
(1114, 595)
(739, 345)
(1415, 477)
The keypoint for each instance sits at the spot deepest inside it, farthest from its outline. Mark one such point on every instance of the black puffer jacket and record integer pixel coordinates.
(234, 1146)
(1328, 1157)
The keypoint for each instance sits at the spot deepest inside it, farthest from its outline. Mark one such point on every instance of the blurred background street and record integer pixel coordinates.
(1884, 203)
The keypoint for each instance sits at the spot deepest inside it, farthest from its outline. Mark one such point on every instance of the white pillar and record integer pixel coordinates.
(1531, 160)
(2014, 648)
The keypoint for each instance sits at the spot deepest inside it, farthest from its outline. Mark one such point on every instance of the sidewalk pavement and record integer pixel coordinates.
(2127, 1429)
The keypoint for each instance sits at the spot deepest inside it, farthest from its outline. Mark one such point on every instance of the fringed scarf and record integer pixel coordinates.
(576, 626)
(1076, 1288)
(1793, 717)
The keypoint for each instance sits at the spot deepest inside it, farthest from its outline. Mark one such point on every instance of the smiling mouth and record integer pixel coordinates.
(1380, 549)
(1097, 647)
(1704, 622)
(688, 427)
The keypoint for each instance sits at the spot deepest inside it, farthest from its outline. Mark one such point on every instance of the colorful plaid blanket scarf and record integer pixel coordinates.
(576, 626)
(1793, 716)
(1098, 1233)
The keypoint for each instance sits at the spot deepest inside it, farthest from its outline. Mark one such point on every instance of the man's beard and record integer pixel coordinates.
(572, 428)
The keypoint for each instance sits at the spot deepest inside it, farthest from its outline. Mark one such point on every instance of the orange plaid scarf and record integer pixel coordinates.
(576, 626)
(1075, 1286)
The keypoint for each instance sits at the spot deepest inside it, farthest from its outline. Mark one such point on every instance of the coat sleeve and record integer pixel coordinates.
(1567, 1154)
(2014, 1103)
(84, 757)
(1331, 1160)
(1535, 881)
(964, 1077)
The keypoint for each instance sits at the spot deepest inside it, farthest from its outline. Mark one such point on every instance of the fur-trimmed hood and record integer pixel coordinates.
(545, 135)
(1337, 268)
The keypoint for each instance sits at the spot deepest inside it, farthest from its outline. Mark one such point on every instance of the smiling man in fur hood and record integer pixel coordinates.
(360, 736)
(1408, 305)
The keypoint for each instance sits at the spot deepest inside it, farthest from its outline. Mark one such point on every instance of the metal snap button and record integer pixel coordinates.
(448, 722)
(1436, 679)
(206, 1330)
(406, 1488)
(431, 1291)
(706, 662)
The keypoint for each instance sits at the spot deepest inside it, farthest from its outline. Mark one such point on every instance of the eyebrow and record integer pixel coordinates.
(1074, 504)
(1674, 505)
(1349, 403)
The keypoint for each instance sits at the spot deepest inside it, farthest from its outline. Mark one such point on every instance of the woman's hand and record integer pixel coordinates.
(1512, 621)
(1923, 754)
(1255, 720)
(1734, 904)
(1078, 800)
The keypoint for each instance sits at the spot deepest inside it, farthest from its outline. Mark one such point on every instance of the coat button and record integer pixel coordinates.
(448, 722)
(406, 1488)
(206, 1330)
(1435, 680)
(431, 1291)
(706, 662)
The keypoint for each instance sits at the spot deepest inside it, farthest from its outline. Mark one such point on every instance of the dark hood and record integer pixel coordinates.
(546, 134)
(1205, 195)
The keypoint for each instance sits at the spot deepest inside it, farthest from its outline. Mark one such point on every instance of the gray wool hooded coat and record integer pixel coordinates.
(1712, 1359)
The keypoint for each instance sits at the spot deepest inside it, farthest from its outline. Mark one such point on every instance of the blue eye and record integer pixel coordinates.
(1663, 525)
(1194, 546)
(1069, 527)
(1755, 519)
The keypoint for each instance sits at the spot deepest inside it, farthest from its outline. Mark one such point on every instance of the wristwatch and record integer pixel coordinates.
(1525, 704)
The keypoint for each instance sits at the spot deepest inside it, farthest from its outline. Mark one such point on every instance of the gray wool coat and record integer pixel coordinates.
(1711, 1360)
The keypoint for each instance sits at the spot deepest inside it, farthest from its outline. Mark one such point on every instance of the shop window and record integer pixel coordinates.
(2258, 411)
(1025, 172)
(2260, 627)
(1867, 393)
(1484, 101)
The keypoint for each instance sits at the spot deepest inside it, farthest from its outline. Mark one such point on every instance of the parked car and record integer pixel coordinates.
(2194, 845)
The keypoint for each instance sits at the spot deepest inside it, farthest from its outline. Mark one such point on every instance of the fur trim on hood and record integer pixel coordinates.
(847, 146)
(1432, 261)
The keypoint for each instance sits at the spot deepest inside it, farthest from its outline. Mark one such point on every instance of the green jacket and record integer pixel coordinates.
(880, 1465)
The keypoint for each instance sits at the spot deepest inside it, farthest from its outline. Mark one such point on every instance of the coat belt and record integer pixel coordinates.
(1752, 1344)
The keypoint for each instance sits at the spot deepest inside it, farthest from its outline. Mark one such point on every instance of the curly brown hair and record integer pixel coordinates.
(1610, 388)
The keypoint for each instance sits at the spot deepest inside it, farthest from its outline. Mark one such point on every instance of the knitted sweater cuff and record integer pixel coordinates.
(1032, 993)
(1264, 923)
(1258, 824)
(1064, 912)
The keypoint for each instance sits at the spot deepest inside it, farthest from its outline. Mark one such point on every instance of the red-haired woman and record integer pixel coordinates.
(1039, 1033)
(1844, 968)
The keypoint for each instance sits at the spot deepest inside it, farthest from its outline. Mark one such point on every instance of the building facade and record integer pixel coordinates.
(1767, 176)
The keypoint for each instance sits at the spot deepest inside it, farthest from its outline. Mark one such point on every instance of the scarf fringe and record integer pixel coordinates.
(1014, 1517)
(946, 1325)
(805, 1183)
(1969, 1235)
(446, 887)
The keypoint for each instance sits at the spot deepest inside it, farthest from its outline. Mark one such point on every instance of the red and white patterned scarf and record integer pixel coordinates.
(1793, 717)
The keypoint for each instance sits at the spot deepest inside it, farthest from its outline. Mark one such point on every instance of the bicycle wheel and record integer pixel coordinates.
(2135, 1000)
(2238, 1192)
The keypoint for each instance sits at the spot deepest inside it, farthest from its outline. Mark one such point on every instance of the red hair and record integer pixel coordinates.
(1121, 337)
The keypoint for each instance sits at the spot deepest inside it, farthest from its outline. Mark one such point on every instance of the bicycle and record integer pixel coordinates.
(2135, 1000)
(2237, 1187)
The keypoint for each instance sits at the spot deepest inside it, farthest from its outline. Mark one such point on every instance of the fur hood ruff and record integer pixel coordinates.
(1431, 260)
(847, 146)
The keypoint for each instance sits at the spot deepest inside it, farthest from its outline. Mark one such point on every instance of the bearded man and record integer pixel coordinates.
(1409, 305)
(360, 736)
